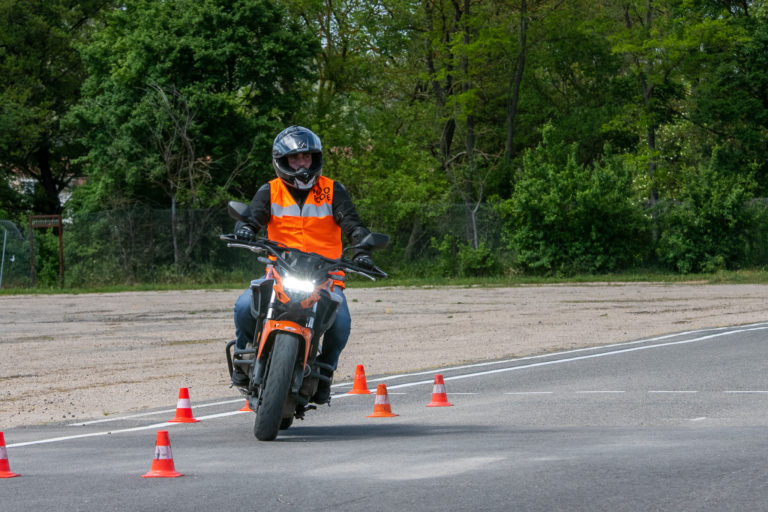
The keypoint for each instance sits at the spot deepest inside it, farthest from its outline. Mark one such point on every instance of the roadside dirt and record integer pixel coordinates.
(78, 357)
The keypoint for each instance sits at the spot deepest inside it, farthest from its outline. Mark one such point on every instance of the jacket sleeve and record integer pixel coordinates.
(346, 215)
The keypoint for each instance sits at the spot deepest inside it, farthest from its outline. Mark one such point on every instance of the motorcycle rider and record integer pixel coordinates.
(303, 209)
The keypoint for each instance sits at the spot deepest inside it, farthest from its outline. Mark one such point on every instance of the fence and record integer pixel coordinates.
(140, 246)
(15, 270)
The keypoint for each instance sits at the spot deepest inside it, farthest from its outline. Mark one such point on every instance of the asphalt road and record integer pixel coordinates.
(670, 423)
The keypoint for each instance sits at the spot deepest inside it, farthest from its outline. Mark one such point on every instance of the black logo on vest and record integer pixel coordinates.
(321, 194)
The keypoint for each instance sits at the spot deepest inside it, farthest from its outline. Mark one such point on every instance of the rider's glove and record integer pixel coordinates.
(245, 233)
(365, 261)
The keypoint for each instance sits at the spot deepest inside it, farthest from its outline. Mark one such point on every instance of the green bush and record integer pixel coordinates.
(456, 258)
(565, 218)
(707, 229)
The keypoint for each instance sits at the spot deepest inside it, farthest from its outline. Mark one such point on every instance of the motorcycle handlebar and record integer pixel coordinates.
(264, 245)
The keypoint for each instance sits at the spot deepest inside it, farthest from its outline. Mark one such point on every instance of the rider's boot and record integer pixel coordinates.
(323, 393)
(239, 378)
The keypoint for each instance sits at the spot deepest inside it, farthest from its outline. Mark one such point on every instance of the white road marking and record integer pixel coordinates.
(747, 391)
(590, 356)
(662, 391)
(755, 326)
(748, 328)
(140, 415)
(119, 431)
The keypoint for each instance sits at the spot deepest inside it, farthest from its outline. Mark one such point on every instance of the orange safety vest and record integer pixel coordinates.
(311, 227)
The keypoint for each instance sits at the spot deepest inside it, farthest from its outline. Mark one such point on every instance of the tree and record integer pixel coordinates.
(662, 43)
(185, 91)
(40, 79)
(729, 102)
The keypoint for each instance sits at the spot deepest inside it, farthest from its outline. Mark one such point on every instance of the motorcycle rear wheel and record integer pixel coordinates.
(269, 414)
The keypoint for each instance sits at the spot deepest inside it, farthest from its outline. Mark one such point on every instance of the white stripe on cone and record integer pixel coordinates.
(3, 453)
(184, 403)
(163, 452)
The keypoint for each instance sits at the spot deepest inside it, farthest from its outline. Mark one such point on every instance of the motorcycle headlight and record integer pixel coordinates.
(294, 284)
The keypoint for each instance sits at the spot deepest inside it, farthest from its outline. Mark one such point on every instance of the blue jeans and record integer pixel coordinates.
(334, 340)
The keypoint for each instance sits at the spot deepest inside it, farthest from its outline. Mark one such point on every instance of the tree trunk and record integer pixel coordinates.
(440, 91)
(652, 163)
(173, 231)
(469, 143)
(514, 84)
(52, 205)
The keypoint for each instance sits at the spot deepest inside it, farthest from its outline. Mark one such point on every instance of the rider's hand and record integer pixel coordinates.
(245, 233)
(365, 261)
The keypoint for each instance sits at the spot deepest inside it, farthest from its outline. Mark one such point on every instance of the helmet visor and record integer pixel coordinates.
(299, 141)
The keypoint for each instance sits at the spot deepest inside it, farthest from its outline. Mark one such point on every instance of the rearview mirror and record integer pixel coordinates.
(376, 241)
(239, 211)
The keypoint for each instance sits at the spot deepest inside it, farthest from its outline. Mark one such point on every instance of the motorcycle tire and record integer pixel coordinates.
(269, 415)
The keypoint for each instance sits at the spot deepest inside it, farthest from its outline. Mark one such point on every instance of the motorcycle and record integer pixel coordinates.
(293, 304)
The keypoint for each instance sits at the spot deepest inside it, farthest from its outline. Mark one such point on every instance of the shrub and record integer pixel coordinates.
(706, 230)
(566, 218)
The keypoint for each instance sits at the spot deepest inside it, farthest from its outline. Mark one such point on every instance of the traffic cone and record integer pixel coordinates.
(381, 408)
(439, 398)
(162, 463)
(5, 468)
(183, 409)
(246, 407)
(359, 387)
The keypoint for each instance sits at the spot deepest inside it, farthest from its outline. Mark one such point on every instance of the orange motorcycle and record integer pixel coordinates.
(293, 304)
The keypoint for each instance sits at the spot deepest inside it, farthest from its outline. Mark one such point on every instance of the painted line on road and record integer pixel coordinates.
(589, 356)
(122, 430)
(143, 414)
(717, 330)
(749, 328)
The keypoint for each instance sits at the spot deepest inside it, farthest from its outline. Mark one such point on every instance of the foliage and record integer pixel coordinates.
(46, 244)
(40, 79)
(457, 258)
(706, 230)
(564, 217)
(209, 81)
(482, 135)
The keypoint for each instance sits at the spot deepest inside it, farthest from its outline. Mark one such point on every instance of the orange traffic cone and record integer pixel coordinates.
(5, 468)
(359, 387)
(183, 409)
(381, 408)
(439, 398)
(162, 463)
(246, 407)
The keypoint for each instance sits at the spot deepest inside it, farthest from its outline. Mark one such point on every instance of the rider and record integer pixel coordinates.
(303, 209)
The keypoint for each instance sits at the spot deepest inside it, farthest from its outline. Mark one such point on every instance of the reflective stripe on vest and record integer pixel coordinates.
(310, 228)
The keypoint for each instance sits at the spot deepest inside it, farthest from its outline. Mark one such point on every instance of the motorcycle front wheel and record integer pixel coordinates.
(269, 414)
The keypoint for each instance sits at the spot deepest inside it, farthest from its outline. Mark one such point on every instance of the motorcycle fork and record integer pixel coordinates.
(269, 328)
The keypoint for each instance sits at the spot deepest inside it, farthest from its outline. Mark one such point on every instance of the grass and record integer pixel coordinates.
(755, 276)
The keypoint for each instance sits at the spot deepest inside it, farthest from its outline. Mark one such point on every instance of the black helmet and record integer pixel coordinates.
(292, 141)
